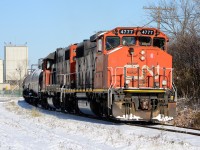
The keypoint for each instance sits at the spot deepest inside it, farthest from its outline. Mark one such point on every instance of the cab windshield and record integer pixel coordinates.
(145, 41)
(128, 40)
(112, 42)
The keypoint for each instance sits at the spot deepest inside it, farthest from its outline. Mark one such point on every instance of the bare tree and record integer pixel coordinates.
(182, 25)
(17, 75)
(182, 18)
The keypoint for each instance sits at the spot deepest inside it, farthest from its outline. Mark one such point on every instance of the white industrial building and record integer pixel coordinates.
(1, 71)
(15, 62)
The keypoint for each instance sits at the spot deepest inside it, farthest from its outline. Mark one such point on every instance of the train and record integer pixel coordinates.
(123, 74)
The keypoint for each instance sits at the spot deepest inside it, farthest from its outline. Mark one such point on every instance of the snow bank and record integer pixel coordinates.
(25, 127)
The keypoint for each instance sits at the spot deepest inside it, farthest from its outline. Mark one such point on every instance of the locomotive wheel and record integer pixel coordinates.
(44, 103)
(35, 102)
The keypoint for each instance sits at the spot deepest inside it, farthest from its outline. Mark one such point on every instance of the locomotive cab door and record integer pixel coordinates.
(99, 65)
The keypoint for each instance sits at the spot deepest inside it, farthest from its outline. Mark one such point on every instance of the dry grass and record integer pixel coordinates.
(13, 107)
(188, 118)
(197, 120)
(188, 114)
(12, 103)
(35, 112)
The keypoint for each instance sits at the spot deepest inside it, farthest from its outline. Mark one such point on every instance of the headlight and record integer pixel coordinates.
(164, 82)
(127, 81)
(142, 58)
(142, 52)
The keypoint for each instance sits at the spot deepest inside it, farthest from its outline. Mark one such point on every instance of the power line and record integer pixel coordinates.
(148, 23)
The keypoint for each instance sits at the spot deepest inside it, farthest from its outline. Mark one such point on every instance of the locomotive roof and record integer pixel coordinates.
(136, 29)
(50, 56)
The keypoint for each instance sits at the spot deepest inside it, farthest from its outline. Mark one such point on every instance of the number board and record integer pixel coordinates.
(147, 32)
(126, 31)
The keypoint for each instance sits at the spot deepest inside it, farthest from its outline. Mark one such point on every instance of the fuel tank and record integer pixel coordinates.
(31, 82)
(84, 105)
(26, 82)
(34, 84)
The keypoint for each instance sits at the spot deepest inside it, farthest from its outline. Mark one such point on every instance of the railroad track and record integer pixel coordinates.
(169, 128)
(157, 126)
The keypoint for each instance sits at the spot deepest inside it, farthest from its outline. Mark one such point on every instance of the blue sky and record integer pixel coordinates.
(48, 24)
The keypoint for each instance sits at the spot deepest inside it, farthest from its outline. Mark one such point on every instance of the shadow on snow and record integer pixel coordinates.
(23, 104)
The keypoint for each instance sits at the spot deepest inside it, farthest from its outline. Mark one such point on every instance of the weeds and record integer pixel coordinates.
(11, 106)
(196, 122)
(12, 103)
(187, 114)
(35, 113)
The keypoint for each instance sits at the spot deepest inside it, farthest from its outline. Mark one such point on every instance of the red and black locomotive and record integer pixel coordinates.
(123, 74)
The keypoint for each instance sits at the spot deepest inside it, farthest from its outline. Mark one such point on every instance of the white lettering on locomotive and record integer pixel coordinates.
(145, 70)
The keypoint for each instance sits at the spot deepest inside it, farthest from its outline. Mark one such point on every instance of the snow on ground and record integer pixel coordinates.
(25, 127)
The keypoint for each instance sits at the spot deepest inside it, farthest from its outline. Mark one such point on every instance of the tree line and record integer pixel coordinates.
(182, 24)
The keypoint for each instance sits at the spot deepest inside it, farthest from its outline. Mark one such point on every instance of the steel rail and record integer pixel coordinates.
(162, 128)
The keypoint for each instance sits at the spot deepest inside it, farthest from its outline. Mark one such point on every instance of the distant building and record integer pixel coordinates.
(15, 62)
(1, 71)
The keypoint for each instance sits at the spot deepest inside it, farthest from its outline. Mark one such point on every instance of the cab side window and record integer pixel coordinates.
(159, 42)
(99, 45)
(112, 42)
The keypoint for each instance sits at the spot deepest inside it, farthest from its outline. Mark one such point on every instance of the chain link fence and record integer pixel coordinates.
(11, 93)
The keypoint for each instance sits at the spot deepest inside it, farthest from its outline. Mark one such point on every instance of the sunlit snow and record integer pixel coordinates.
(25, 127)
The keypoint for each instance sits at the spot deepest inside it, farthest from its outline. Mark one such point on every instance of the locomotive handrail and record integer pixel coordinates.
(64, 76)
(173, 85)
(62, 89)
(164, 72)
(116, 73)
(175, 91)
(110, 91)
(171, 73)
(153, 74)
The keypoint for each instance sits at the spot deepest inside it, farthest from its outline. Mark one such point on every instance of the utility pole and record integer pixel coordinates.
(159, 12)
